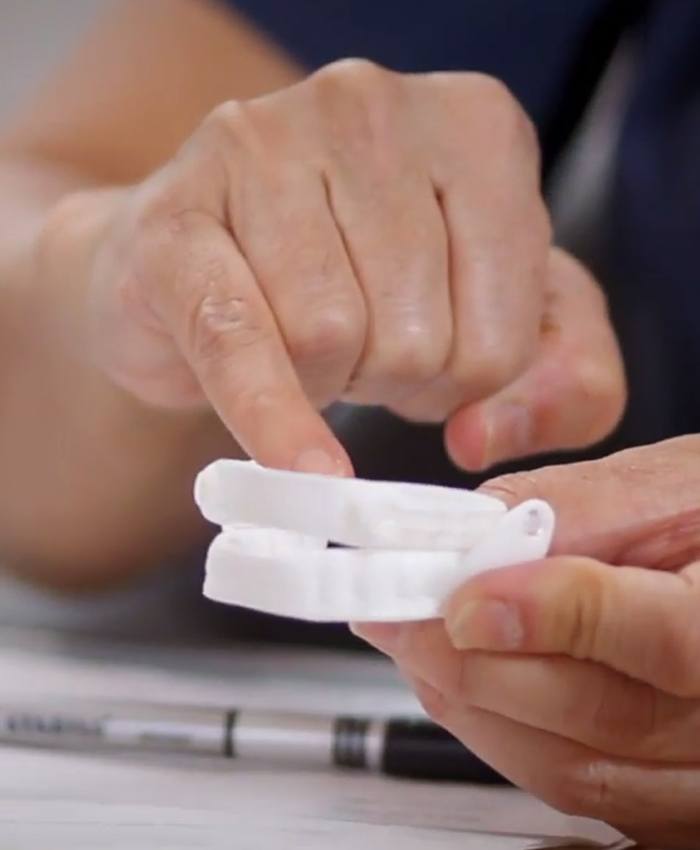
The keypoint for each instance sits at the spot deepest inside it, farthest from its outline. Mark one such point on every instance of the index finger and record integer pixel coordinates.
(207, 297)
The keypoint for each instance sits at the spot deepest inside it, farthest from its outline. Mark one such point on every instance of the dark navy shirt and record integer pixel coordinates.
(551, 53)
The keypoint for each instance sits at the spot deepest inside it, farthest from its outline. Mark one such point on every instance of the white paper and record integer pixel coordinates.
(71, 801)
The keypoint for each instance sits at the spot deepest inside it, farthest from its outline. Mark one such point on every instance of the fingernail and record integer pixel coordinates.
(318, 462)
(386, 637)
(508, 433)
(486, 624)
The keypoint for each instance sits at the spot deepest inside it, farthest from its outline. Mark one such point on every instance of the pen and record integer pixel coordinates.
(402, 747)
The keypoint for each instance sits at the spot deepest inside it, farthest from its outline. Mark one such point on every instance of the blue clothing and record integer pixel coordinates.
(551, 54)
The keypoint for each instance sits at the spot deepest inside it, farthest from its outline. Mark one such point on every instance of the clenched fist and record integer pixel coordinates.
(366, 236)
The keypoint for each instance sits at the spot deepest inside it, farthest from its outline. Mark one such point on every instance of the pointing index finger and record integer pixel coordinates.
(207, 297)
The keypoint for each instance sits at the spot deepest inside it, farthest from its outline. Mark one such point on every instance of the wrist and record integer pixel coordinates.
(108, 477)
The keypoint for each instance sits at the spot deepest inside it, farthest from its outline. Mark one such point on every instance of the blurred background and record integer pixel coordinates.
(33, 35)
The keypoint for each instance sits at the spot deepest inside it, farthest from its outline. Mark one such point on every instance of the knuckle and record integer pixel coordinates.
(412, 358)
(237, 125)
(327, 334)
(504, 117)
(354, 74)
(219, 322)
(357, 101)
(587, 608)
(602, 388)
(481, 373)
(519, 486)
(162, 211)
(227, 116)
(584, 789)
(163, 222)
(255, 403)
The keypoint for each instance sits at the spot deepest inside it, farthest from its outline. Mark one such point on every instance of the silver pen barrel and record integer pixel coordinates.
(282, 738)
(246, 734)
(144, 727)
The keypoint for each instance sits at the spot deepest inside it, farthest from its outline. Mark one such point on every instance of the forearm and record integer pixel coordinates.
(95, 484)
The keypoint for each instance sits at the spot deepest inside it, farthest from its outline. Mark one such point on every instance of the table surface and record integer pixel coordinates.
(52, 649)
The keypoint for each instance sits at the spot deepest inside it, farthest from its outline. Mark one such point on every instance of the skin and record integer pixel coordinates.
(202, 249)
(577, 676)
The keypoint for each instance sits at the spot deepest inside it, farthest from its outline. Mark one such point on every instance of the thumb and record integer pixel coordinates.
(639, 622)
(640, 506)
(572, 395)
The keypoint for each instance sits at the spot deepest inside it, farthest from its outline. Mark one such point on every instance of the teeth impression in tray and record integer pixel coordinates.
(403, 548)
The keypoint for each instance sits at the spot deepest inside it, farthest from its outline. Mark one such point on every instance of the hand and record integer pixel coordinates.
(579, 680)
(365, 236)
